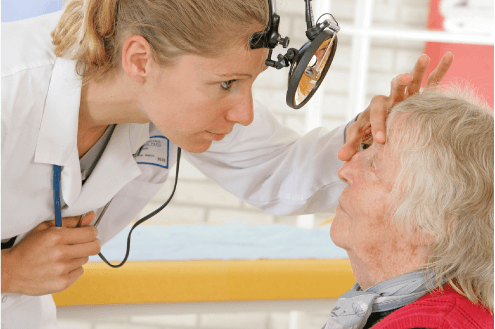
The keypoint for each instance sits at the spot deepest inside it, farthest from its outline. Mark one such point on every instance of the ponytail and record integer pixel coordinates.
(87, 28)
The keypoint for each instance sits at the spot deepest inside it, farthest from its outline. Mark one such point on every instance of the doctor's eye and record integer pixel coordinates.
(226, 85)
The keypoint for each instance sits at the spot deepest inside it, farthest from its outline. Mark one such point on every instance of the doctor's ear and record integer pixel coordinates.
(136, 58)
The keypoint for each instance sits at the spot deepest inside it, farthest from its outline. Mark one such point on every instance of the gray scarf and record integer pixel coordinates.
(355, 306)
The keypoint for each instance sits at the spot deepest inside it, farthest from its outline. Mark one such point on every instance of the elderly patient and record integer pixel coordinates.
(416, 219)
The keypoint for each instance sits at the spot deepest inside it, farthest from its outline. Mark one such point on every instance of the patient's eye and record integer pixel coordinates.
(367, 141)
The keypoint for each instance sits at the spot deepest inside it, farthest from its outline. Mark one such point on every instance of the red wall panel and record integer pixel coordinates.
(472, 63)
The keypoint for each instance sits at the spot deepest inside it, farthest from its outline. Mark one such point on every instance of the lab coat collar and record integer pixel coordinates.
(57, 140)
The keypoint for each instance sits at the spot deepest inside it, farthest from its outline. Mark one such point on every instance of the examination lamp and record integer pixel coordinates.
(309, 64)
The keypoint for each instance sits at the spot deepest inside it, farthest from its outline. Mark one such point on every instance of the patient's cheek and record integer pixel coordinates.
(368, 204)
(378, 241)
(370, 231)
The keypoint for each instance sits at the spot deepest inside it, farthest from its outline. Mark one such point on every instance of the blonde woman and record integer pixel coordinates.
(110, 92)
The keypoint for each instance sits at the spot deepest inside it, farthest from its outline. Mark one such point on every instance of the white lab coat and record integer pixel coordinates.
(264, 164)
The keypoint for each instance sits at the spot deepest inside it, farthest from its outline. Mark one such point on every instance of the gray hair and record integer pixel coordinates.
(444, 139)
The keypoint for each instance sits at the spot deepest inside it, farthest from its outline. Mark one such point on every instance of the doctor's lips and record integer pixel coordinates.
(217, 137)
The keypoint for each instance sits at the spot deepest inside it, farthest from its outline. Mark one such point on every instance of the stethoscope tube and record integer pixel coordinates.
(145, 218)
(58, 216)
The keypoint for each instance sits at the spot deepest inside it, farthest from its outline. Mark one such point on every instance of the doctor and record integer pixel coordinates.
(110, 96)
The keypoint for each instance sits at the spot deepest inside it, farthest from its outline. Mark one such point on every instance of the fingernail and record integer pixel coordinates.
(380, 135)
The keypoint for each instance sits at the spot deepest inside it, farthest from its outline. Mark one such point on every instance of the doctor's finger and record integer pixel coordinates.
(72, 277)
(347, 151)
(379, 112)
(51, 223)
(71, 222)
(82, 250)
(74, 236)
(398, 88)
(85, 219)
(75, 263)
(82, 220)
(66, 222)
(418, 74)
(439, 72)
(353, 141)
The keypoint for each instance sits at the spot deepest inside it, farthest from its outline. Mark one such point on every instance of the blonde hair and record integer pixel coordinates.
(444, 140)
(93, 31)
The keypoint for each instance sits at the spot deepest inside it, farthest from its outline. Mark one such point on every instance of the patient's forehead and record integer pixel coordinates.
(380, 151)
(397, 124)
(387, 162)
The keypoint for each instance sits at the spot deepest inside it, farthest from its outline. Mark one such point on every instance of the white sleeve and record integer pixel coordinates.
(275, 169)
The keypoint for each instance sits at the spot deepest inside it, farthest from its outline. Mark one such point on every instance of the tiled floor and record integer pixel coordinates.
(304, 314)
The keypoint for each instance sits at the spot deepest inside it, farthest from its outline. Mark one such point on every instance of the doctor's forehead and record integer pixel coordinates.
(236, 63)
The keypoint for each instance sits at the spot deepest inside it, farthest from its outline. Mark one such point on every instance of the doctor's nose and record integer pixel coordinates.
(242, 112)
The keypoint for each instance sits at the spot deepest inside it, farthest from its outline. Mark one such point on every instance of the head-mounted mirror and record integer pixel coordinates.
(309, 68)
(309, 64)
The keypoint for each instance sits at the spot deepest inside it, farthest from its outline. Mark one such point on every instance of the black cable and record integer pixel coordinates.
(145, 218)
(327, 14)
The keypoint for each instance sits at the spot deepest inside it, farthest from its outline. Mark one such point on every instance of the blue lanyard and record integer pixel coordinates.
(56, 195)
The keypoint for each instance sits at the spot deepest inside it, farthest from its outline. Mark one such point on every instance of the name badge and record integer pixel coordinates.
(154, 152)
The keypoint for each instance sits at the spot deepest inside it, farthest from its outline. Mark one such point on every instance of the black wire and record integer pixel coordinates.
(145, 218)
(327, 14)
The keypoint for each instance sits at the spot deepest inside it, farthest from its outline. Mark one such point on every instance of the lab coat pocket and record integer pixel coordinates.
(124, 208)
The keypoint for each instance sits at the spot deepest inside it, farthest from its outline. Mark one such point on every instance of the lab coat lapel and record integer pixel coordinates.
(57, 144)
(115, 168)
(57, 140)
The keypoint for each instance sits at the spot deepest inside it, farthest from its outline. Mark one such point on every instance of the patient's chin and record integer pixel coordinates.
(339, 232)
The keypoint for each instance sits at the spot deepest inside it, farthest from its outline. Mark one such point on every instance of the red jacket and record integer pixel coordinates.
(445, 309)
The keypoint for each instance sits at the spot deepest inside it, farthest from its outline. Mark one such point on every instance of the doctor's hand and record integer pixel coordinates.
(49, 259)
(370, 125)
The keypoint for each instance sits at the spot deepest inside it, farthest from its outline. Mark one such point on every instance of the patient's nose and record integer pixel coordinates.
(350, 168)
(344, 172)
